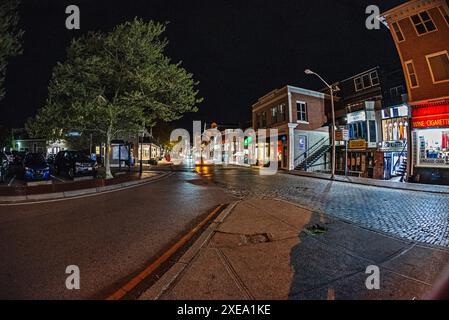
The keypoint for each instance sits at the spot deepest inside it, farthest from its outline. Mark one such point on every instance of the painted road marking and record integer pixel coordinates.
(55, 177)
(120, 293)
(11, 181)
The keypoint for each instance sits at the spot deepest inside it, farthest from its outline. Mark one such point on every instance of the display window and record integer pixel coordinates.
(395, 129)
(433, 147)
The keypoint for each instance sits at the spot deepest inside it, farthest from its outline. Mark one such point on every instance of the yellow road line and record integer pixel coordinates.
(120, 293)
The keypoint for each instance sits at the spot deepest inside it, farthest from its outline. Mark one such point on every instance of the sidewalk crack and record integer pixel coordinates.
(234, 275)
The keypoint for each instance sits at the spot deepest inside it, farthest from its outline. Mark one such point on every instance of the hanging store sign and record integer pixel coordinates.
(393, 146)
(342, 135)
(357, 144)
(356, 117)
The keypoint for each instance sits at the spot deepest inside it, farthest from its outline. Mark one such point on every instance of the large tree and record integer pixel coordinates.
(115, 83)
(10, 36)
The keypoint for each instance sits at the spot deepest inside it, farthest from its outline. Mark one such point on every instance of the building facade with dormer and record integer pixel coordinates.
(420, 30)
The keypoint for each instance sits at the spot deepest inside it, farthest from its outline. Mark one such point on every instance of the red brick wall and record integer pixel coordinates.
(315, 111)
(416, 48)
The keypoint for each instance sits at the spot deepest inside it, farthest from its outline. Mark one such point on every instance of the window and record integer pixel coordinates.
(358, 84)
(273, 114)
(439, 66)
(444, 13)
(281, 113)
(366, 81)
(302, 111)
(423, 23)
(372, 131)
(398, 32)
(264, 120)
(396, 91)
(411, 74)
(374, 78)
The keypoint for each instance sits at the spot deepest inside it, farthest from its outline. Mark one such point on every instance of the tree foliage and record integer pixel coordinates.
(115, 83)
(10, 37)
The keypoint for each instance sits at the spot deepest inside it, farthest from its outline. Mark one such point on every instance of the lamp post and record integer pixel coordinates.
(141, 152)
(310, 72)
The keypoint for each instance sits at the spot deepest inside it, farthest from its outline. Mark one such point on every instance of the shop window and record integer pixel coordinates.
(423, 23)
(413, 78)
(372, 131)
(358, 130)
(439, 66)
(301, 108)
(433, 147)
(398, 32)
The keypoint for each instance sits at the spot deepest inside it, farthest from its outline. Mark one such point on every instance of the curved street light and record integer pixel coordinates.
(332, 90)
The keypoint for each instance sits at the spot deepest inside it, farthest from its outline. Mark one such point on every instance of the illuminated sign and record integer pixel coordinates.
(393, 146)
(431, 115)
(431, 121)
(356, 116)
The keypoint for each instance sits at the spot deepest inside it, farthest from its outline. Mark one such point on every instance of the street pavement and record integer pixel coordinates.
(114, 235)
(416, 216)
(109, 237)
(268, 249)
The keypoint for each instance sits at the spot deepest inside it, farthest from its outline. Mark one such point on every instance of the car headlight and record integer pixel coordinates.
(28, 169)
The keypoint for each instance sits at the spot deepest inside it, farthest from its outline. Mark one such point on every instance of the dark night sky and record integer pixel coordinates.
(238, 50)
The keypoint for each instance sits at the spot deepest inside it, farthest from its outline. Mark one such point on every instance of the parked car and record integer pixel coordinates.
(10, 156)
(75, 163)
(51, 158)
(35, 167)
(4, 166)
(18, 157)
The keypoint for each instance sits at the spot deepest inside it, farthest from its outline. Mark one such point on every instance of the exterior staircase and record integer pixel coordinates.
(402, 170)
(310, 157)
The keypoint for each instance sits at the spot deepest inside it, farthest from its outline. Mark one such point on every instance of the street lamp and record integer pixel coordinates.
(310, 72)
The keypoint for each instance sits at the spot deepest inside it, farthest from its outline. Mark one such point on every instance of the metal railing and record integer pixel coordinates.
(311, 151)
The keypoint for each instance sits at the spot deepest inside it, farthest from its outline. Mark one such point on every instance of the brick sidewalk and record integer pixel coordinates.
(376, 183)
(267, 249)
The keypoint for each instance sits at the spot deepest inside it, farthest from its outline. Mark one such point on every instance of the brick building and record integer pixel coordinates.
(372, 107)
(420, 30)
(299, 115)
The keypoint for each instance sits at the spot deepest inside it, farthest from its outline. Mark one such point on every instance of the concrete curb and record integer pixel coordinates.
(5, 200)
(169, 277)
(395, 187)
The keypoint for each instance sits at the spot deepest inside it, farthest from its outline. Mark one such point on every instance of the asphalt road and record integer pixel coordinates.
(113, 236)
(109, 237)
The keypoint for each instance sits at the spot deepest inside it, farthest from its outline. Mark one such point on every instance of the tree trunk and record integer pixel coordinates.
(107, 162)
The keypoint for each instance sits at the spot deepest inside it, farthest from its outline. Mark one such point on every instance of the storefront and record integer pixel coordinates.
(393, 148)
(430, 134)
(360, 150)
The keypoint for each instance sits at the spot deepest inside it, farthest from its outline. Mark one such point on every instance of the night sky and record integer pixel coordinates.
(237, 50)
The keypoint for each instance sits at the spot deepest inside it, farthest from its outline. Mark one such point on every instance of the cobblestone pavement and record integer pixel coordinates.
(417, 216)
